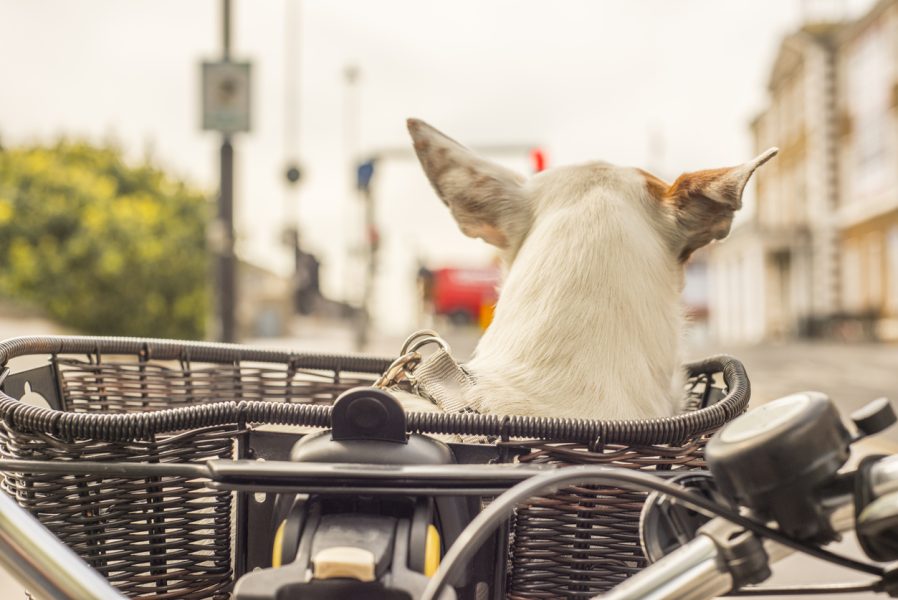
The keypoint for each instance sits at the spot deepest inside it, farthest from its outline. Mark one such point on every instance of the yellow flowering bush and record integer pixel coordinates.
(101, 246)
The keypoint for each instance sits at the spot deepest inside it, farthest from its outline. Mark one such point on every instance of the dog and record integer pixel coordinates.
(589, 319)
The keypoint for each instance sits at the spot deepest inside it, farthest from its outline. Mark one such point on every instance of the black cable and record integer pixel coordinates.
(795, 590)
(500, 509)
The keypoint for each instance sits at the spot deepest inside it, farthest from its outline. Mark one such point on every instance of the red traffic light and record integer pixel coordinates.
(538, 159)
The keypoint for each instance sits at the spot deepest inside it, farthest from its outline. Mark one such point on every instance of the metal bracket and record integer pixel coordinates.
(38, 386)
(741, 550)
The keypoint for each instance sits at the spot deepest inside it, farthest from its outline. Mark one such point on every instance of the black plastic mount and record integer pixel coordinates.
(741, 550)
(877, 537)
(874, 417)
(666, 524)
(368, 414)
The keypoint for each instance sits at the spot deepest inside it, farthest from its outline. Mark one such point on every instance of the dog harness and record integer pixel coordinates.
(439, 378)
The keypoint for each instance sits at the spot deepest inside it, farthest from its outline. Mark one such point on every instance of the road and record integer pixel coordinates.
(851, 374)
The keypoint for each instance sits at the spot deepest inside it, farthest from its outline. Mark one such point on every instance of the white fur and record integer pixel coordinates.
(589, 320)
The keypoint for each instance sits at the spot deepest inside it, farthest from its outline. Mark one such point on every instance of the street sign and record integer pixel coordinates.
(226, 105)
(364, 174)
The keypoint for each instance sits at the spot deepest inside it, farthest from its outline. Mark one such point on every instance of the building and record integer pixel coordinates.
(868, 170)
(776, 276)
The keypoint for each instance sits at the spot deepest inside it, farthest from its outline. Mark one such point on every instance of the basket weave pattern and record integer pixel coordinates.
(122, 387)
(149, 537)
(583, 541)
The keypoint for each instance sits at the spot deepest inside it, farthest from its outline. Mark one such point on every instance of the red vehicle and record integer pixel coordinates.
(464, 295)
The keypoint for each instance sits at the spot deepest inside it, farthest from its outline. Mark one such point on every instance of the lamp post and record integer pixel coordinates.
(226, 109)
(226, 260)
(351, 126)
(293, 171)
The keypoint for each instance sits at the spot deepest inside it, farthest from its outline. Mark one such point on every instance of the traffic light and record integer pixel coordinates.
(537, 159)
(293, 173)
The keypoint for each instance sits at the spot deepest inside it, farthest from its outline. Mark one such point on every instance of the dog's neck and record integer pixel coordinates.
(589, 321)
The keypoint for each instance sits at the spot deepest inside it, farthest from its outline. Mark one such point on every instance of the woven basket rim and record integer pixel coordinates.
(20, 417)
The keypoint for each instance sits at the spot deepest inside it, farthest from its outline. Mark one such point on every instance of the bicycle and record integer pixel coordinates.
(427, 502)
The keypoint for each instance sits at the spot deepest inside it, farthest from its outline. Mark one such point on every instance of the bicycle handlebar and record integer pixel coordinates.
(693, 572)
(698, 571)
(729, 552)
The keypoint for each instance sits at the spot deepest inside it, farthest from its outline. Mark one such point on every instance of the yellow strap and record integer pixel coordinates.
(431, 551)
(276, 552)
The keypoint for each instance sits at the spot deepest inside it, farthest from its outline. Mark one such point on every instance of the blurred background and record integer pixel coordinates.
(240, 171)
(237, 170)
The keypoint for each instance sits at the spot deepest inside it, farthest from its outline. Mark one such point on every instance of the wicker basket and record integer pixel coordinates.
(134, 400)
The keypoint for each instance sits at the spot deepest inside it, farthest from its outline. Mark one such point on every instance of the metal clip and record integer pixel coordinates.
(399, 370)
(421, 338)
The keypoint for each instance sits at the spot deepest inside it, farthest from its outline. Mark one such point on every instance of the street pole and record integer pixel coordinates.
(372, 240)
(292, 47)
(351, 122)
(227, 291)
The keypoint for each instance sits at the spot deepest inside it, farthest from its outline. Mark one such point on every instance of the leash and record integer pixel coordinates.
(439, 378)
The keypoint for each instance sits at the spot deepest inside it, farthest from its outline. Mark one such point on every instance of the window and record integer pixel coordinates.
(851, 277)
(869, 95)
(892, 269)
(873, 275)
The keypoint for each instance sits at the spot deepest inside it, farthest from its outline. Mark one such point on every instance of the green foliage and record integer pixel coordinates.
(101, 246)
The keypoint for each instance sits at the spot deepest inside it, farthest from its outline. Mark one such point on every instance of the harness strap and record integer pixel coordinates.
(437, 378)
(442, 380)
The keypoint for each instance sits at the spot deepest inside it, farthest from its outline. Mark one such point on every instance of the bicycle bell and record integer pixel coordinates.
(776, 458)
(772, 459)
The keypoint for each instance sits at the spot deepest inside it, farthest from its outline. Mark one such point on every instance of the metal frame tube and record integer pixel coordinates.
(694, 571)
(41, 563)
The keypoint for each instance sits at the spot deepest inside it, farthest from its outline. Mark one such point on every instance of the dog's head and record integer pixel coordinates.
(493, 203)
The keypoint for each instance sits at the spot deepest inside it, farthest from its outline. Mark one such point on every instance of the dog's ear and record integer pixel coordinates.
(704, 202)
(486, 199)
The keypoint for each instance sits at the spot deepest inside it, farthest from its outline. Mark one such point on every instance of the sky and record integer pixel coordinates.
(668, 85)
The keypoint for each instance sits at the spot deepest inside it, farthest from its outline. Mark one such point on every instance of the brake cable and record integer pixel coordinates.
(796, 590)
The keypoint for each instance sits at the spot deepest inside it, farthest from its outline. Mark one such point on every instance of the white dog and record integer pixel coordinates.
(589, 319)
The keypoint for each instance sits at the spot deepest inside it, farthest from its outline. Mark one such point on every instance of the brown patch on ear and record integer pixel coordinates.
(705, 202)
(694, 212)
(701, 182)
(657, 189)
(701, 218)
(664, 194)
